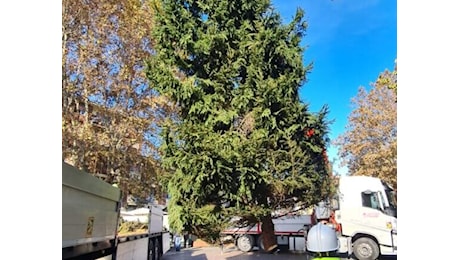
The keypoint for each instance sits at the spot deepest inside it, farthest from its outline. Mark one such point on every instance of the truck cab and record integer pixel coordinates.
(365, 209)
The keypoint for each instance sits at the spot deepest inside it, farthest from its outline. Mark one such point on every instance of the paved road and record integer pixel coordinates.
(231, 253)
(215, 253)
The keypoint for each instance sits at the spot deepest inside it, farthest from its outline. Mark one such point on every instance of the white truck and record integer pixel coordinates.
(91, 217)
(363, 213)
(289, 232)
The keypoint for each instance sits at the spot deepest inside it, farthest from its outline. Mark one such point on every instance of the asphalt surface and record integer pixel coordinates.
(216, 253)
(232, 253)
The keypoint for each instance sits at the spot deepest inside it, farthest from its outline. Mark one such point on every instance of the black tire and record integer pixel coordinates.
(154, 249)
(150, 250)
(245, 243)
(365, 248)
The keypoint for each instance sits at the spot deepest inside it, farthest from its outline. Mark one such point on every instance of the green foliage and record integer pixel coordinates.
(239, 148)
(389, 79)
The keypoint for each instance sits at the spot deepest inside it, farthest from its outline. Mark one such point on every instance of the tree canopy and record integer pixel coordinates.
(109, 114)
(243, 143)
(369, 144)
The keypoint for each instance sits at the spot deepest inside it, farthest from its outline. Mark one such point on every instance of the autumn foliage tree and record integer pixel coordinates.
(109, 114)
(368, 146)
(389, 79)
(243, 144)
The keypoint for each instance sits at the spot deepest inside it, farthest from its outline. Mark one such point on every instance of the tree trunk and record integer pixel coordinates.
(268, 234)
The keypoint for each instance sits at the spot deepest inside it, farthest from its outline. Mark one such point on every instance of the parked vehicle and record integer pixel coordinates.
(289, 232)
(91, 216)
(363, 213)
(364, 216)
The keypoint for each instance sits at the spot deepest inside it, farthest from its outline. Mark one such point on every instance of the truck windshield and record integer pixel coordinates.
(391, 195)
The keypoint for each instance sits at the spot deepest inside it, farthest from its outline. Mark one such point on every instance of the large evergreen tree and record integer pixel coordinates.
(244, 143)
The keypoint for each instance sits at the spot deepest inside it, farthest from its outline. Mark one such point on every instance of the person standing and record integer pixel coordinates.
(177, 242)
(186, 242)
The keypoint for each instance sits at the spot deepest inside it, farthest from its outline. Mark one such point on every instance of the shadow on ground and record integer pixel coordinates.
(344, 256)
(232, 253)
(229, 253)
(189, 253)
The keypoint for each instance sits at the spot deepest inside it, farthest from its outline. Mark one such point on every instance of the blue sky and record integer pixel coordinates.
(349, 42)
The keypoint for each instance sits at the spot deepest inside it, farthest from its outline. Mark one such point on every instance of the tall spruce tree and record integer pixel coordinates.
(244, 144)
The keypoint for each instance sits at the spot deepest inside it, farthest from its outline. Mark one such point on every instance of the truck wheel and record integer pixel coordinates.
(245, 243)
(366, 249)
(151, 250)
(154, 249)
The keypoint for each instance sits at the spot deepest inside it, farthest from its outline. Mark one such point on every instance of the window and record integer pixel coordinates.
(370, 200)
